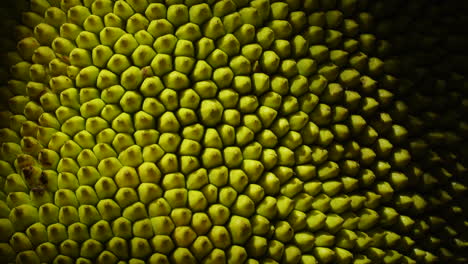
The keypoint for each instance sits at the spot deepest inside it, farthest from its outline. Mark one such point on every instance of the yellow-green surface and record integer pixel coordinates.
(233, 131)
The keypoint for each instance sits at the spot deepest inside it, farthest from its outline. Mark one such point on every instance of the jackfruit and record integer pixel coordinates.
(233, 131)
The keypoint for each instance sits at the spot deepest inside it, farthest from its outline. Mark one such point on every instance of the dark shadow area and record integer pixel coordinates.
(430, 57)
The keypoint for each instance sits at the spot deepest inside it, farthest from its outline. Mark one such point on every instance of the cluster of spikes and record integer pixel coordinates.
(230, 131)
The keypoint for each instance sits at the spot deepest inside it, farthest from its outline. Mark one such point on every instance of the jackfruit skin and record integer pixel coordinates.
(233, 131)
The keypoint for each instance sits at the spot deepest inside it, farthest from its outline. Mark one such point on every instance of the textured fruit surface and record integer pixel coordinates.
(233, 131)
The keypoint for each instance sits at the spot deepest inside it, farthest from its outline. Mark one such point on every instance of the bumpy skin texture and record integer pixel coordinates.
(233, 131)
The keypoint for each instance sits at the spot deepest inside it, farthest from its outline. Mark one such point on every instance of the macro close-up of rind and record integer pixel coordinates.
(233, 131)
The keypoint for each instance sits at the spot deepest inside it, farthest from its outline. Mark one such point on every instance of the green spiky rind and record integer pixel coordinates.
(230, 132)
